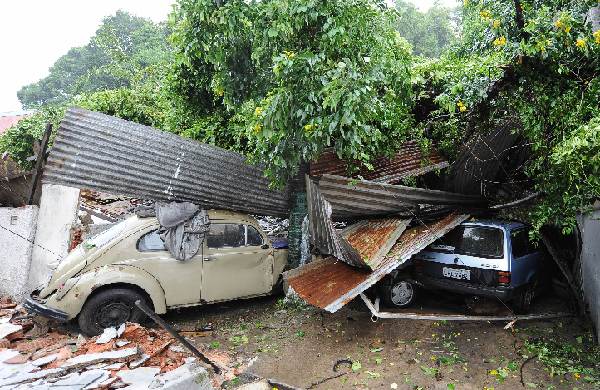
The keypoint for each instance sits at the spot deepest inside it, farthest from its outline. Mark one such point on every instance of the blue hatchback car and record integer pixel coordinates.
(486, 258)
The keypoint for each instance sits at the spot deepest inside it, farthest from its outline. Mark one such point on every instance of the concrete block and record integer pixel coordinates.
(58, 213)
(190, 376)
(17, 234)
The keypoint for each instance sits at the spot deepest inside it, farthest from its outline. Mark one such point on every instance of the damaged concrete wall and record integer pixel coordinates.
(58, 213)
(17, 233)
(589, 226)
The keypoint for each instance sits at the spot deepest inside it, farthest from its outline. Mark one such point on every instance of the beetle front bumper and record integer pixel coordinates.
(33, 305)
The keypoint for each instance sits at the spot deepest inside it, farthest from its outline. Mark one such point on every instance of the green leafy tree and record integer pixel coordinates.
(122, 46)
(535, 62)
(304, 75)
(18, 141)
(430, 33)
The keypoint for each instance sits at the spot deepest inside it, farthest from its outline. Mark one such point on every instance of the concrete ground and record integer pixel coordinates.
(299, 346)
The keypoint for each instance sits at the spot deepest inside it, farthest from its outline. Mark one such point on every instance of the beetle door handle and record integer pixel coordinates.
(210, 258)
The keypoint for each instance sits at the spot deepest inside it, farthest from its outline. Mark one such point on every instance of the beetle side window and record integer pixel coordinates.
(226, 235)
(253, 237)
(482, 242)
(521, 245)
(151, 242)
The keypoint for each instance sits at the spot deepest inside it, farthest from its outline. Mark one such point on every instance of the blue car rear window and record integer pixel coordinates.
(479, 241)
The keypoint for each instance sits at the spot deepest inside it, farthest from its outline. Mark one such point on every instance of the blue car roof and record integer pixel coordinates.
(504, 224)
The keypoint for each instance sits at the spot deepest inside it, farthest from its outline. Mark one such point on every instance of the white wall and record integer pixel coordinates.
(17, 233)
(589, 227)
(58, 213)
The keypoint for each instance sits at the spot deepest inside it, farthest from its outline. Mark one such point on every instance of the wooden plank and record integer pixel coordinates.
(39, 163)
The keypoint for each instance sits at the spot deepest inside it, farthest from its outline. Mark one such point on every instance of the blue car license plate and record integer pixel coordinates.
(463, 274)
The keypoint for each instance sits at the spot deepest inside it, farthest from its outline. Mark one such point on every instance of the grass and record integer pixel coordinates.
(578, 359)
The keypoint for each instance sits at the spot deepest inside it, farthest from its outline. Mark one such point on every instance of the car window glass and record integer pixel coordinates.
(151, 242)
(448, 242)
(521, 245)
(253, 238)
(481, 242)
(225, 235)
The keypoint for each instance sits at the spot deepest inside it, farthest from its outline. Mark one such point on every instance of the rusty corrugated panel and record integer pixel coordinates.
(323, 234)
(361, 198)
(330, 284)
(108, 154)
(408, 161)
(373, 239)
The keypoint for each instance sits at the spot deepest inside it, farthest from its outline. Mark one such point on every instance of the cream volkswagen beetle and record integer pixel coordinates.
(99, 281)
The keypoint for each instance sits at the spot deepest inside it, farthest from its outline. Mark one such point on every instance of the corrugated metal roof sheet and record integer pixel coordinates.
(361, 198)
(373, 239)
(408, 161)
(108, 154)
(329, 284)
(323, 234)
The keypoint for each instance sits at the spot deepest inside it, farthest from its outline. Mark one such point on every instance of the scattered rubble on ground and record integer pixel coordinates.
(131, 356)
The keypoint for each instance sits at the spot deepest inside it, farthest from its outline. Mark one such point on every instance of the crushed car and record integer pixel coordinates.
(98, 283)
(490, 258)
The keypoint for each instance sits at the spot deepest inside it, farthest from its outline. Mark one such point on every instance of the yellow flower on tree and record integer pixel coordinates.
(309, 127)
(597, 36)
(485, 14)
(567, 29)
(461, 106)
(258, 111)
(257, 128)
(580, 43)
(289, 54)
(559, 24)
(500, 41)
(496, 23)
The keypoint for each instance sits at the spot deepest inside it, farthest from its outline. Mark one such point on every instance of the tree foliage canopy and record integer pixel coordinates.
(122, 46)
(281, 80)
(429, 33)
(305, 74)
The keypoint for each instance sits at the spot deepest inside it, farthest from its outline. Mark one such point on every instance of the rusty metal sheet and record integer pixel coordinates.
(112, 155)
(324, 235)
(362, 198)
(329, 284)
(408, 161)
(373, 239)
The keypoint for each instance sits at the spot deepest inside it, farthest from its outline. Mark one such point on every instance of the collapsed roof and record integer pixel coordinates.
(329, 284)
(108, 154)
(104, 153)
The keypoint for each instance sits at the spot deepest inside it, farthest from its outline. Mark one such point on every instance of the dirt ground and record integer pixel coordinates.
(299, 346)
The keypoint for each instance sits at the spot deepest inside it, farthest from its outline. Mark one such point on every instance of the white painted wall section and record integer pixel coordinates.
(57, 215)
(17, 234)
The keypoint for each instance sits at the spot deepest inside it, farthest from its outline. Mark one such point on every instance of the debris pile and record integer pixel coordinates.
(109, 207)
(33, 355)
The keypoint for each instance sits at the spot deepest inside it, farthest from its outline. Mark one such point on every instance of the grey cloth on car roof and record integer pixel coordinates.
(183, 226)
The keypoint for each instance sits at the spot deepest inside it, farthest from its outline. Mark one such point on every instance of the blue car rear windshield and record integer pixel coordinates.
(478, 241)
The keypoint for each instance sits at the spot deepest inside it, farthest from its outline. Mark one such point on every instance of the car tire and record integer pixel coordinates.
(522, 302)
(399, 293)
(109, 308)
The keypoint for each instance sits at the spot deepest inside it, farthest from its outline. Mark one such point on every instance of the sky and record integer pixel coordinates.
(35, 33)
